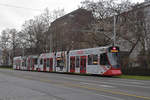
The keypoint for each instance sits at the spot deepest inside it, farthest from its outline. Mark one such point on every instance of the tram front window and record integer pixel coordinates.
(114, 59)
(113, 56)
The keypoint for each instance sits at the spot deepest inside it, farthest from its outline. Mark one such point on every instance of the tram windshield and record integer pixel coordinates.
(114, 57)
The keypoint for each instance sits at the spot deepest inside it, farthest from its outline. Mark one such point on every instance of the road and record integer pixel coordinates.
(24, 85)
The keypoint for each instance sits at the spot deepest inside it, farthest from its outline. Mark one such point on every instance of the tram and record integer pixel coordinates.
(103, 61)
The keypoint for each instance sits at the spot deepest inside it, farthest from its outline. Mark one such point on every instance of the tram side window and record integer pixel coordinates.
(95, 59)
(71, 63)
(89, 59)
(60, 62)
(41, 61)
(103, 59)
(51, 63)
(31, 62)
(77, 61)
(35, 61)
(19, 63)
(16, 63)
(23, 64)
(47, 62)
(92, 59)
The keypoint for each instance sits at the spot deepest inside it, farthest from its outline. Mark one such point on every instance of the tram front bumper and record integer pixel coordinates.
(113, 73)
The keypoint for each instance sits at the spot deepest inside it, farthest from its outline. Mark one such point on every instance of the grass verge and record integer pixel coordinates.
(134, 77)
(122, 76)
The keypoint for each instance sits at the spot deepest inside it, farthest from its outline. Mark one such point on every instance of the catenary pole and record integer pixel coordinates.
(114, 31)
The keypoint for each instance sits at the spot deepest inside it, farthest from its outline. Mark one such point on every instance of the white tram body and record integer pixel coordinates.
(17, 62)
(61, 61)
(31, 62)
(87, 61)
(100, 61)
(23, 63)
(46, 62)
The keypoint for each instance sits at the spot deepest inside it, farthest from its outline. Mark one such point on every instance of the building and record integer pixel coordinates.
(66, 31)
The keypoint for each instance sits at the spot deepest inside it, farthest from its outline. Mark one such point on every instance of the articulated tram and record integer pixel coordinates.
(103, 61)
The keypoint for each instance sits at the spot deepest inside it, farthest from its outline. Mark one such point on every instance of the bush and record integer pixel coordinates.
(136, 71)
(6, 66)
(144, 59)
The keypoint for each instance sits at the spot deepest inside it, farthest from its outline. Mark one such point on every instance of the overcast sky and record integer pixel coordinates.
(14, 17)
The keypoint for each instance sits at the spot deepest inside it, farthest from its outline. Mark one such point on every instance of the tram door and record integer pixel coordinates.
(83, 64)
(51, 64)
(32, 64)
(29, 63)
(72, 64)
(44, 65)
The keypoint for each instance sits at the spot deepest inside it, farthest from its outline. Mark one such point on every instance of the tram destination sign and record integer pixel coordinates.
(114, 49)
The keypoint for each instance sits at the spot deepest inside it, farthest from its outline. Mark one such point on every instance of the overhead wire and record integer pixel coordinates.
(15, 6)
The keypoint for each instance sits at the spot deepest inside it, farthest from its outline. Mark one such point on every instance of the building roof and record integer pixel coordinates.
(144, 4)
(71, 14)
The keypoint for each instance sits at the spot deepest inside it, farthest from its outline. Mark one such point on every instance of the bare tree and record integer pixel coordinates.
(14, 40)
(101, 30)
(35, 32)
(5, 39)
(4, 44)
(103, 9)
(132, 26)
(9, 43)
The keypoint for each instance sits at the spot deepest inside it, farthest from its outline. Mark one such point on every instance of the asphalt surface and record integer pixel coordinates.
(24, 85)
